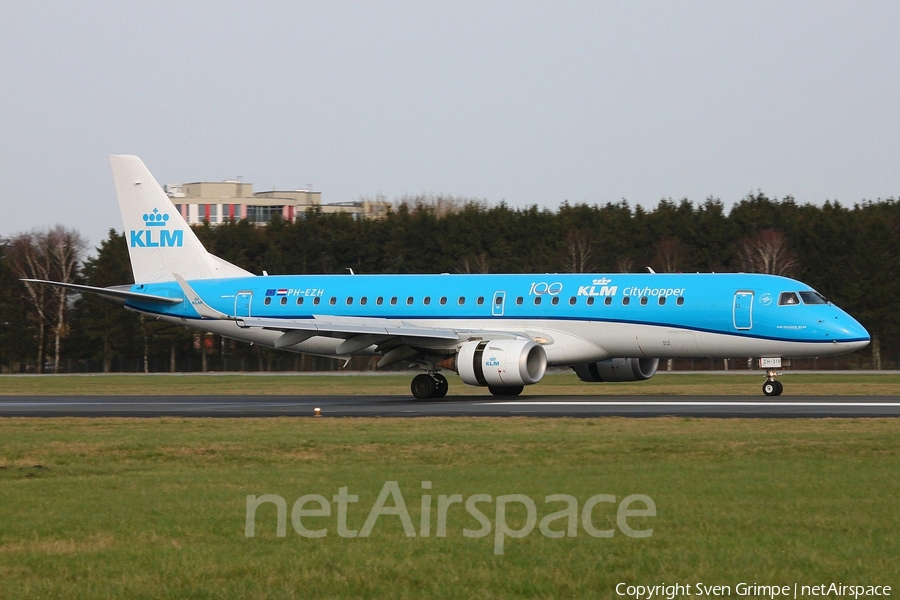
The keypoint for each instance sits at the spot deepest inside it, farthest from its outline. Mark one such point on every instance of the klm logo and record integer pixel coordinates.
(492, 362)
(598, 287)
(156, 235)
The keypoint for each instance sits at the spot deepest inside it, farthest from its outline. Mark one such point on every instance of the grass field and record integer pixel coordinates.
(157, 508)
(555, 383)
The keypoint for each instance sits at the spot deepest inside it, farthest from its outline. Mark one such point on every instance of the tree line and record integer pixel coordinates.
(850, 254)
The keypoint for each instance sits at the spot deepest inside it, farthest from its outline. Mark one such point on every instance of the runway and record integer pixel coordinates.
(461, 406)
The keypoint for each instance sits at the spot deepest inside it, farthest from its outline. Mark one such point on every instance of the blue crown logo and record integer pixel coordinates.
(155, 219)
(156, 238)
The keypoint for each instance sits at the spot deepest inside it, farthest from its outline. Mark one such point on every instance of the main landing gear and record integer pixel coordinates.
(429, 385)
(772, 387)
(432, 386)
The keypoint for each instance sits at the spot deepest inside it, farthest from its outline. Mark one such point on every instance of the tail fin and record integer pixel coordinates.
(160, 243)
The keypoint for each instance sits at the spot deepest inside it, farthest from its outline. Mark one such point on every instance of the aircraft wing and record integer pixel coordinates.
(375, 330)
(358, 333)
(395, 340)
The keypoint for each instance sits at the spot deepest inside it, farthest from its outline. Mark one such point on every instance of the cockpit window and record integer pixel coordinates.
(813, 298)
(788, 299)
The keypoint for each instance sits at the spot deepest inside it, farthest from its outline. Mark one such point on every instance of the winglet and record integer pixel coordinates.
(203, 309)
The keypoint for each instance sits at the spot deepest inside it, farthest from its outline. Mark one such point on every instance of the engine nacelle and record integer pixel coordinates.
(501, 363)
(618, 369)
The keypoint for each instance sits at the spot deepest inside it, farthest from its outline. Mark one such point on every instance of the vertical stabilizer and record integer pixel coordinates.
(160, 243)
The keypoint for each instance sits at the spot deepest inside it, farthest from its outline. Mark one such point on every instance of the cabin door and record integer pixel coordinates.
(242, 304)
(743, 310)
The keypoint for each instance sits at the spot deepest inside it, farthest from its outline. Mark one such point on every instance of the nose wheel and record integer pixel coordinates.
(427, 386)
(772, 387)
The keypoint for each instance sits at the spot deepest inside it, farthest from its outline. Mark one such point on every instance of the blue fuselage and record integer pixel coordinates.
(584, 316)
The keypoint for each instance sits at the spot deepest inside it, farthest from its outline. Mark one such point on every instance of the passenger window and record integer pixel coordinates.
(379, 300)
(426, 300)
(662, 300)
(607, 301)
(555, 300)
(332, 301)
(537, 300)
(625, 301)
(462, 300)
(267, 301)
(283, 300)
(680, 300)
(590, 301)
(394, 301)
(788, 299)
(349, 300)
(299, 301)
(316, 300)
(644, 301)
(363, 301)
(480, 300)
(409, 301)
(498, 300)
(443, 300)
(573, 300)
(519, 300)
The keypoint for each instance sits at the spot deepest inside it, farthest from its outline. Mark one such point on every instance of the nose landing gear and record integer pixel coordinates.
(772, 387)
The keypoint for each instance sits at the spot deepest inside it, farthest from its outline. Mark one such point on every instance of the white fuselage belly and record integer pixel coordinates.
(567, 342)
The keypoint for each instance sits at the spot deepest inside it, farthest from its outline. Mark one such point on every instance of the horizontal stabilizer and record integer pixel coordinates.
(113, 293)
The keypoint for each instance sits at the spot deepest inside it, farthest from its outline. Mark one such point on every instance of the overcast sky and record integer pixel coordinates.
(523, 102)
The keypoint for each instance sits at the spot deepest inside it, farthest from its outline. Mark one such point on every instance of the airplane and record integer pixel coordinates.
(501, 332)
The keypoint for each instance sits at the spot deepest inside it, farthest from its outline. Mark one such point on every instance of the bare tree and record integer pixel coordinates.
(625, 264)
(767, 252)
(479, 263)
(578, 252)
(49, 255)
(27, 261)
(668, 254)
(65, 247)
(440, 205)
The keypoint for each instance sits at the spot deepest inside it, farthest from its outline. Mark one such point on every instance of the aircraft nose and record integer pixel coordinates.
(850, 332)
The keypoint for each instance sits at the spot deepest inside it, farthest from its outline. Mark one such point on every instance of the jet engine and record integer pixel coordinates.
(501, 363)
(618, 369)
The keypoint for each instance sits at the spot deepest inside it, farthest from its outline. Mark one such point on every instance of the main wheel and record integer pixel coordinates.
(506, 391)
(778, 388)
(770, 388)
(423, 386)
(442, 386)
